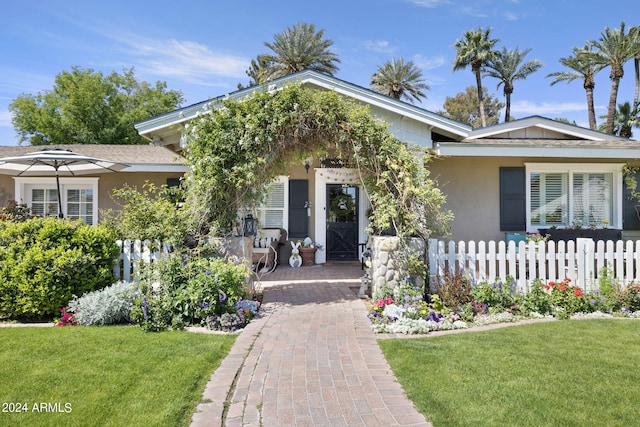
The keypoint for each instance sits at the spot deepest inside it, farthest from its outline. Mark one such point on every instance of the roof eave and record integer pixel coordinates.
(147, 128)
(499, 150)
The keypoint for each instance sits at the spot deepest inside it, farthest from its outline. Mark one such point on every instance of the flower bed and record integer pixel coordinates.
(457, 305)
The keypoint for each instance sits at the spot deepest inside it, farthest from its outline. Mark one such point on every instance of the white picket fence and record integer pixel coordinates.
(581, 261)
(135, 252)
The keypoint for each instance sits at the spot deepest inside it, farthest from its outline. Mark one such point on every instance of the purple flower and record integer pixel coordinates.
(204, 304)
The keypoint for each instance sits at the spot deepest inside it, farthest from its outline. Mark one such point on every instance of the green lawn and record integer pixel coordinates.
(110, 376)
(565, 373)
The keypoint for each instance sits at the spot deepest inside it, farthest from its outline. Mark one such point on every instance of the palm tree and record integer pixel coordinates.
(584, 68)
(475, 49)
(613, 49)
(634, 39)
(625, 119)
(507, 67)
(398, 80)
(299, 48)
(257, 72)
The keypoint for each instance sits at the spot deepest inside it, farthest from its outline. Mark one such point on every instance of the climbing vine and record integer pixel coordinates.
(238, 147)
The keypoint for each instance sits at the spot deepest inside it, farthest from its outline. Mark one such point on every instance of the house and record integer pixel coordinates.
(519, 176)
(321, 198)
(86, 195)
(536, 173)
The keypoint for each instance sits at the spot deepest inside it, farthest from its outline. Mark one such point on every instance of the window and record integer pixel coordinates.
(79, 197)
(584, 195)
(80, 204)
(272, 212)
(44, 201)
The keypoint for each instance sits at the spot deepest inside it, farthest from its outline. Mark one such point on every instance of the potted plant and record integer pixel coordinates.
(308, 250)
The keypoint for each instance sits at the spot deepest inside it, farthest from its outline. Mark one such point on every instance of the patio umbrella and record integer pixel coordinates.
(58, 161)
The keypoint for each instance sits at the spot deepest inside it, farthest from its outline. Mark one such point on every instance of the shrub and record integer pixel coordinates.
(497, 297)
(45, 261)
(151, 213)
(454, 290)
(200, 291)
(537, 300)
(15, 212)
(630, 298)
(108, 306)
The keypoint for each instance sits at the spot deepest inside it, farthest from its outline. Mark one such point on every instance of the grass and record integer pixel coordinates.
(568, 373)
(110, 376)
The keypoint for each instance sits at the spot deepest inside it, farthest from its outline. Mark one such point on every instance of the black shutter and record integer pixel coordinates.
(298, 219)
(512, 199)
(630, 214)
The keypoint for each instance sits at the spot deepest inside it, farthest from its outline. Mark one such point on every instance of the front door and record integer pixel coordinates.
(342, 222)
(298, 205)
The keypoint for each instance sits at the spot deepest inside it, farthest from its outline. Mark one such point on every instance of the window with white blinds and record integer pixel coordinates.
(272, 211)
(571, 195)
(549, 199)
(44, 201)
(79, 197)
(592, 195)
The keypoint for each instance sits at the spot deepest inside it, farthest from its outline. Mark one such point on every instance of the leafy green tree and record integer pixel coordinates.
(584, 68)
(474, 50)
(87, 107)
(613, 49)
(463, 107)
(507, 66)
(399, 80)
(297, 48)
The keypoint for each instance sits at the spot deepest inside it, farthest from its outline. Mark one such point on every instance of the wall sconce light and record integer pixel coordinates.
(307, 164)
(250, 226)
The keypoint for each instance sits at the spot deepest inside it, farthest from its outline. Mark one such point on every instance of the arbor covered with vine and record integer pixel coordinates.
(238, 147)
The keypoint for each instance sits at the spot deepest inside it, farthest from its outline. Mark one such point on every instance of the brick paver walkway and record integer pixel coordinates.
(310, 360)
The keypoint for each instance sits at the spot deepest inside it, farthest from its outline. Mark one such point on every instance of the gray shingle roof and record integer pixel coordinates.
(129, 154)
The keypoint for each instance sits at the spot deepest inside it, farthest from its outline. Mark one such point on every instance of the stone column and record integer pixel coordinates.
(384, 266)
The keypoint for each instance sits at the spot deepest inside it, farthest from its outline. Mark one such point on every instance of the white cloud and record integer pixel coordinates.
(379, 46)
(5, 119)
(510, 16)
(188, 60)
(471, 11)
(430, 4)
(428, 63)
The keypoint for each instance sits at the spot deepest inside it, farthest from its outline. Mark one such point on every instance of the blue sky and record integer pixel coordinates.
(204, 47)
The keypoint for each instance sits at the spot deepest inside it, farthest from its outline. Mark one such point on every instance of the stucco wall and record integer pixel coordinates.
(106, 184)
(112, 181)
(472, 188)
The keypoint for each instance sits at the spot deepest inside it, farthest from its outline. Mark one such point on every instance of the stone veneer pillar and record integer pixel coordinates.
(384, 268)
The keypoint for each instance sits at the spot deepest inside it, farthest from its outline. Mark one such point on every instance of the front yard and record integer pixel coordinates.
(563, 373)
(111, 376)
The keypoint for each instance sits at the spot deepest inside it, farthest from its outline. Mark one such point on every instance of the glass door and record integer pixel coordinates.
(342, 222)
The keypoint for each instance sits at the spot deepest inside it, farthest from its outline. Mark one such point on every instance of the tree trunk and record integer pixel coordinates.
(611, 111)
(483, 119)
(591, 109)
(636, 63)
(508, 90)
